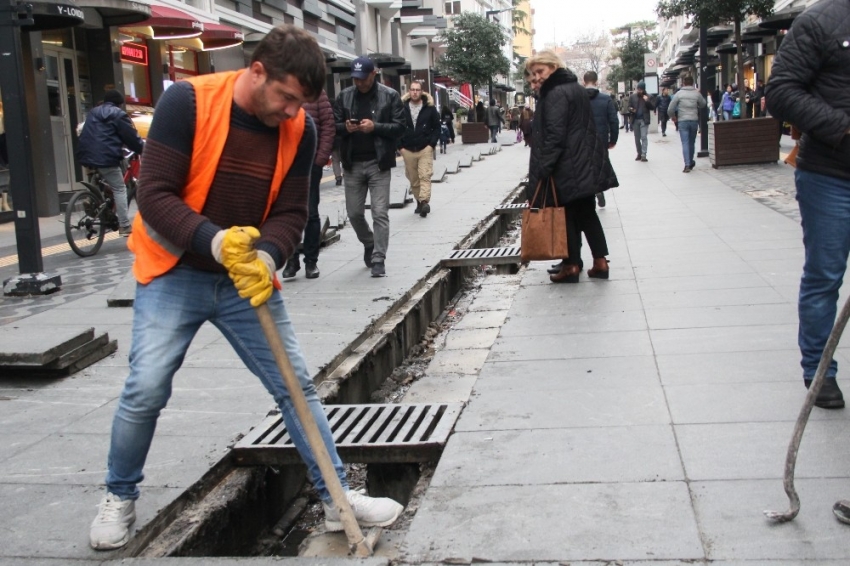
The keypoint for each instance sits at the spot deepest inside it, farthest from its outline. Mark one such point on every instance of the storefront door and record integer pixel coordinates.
(64, 113)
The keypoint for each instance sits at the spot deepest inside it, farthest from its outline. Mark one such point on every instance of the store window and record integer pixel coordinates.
(134, 67)
(452, 8)
(182, 63)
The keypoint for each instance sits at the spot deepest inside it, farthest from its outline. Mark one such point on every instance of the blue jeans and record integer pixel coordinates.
(493, 131)
(825, 211)
(166, 315)
(688, 135)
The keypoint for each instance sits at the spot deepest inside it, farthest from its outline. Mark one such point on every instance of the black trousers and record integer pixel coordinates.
(582, 218)
(313, 230)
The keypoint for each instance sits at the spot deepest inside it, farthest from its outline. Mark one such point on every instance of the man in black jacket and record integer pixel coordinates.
(101, 146)
(604, 117)
(370, 120)
(663, 105)
(810, 87)
(421, 135)
(640, 106)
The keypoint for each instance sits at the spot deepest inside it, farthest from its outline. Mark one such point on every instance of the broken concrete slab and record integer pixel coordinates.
(18, 348)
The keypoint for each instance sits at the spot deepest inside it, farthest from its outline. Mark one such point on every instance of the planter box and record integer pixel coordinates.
(742, 142)
(475, 132)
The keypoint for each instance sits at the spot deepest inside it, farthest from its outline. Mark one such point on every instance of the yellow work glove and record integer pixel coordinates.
(250, 270)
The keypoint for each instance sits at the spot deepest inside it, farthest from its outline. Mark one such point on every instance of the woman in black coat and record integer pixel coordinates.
(448, 118)
(566, 149)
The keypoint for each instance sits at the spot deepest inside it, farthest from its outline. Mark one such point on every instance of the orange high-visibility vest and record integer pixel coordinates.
(213, 100)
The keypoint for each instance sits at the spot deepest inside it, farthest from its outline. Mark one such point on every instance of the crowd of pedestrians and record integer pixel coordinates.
(203, 256)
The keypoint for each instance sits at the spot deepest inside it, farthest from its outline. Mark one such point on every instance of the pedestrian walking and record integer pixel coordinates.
(370, 121)
(525, 122)
(604, 117)
(809, 87)
(727, 103)
(640, 106)
(685, 108)
(663, 104)
(421, 135)
(567, 151)
(106, 131)
(322, 114)
(494, 119)
(625, 113)
(448, 118)
(207, 252)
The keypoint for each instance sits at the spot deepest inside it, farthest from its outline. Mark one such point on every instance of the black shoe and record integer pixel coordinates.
(367, 255)
(664, 134)
(311, 270)
(291, 268)
(556, 267)
(693, 164)
(637, 158)
(841, 510)
(686, 170)
(418, 208)
(378, 269)
(339, 181)
(600, 199)
(426, 208)
(829, 396)
(644, 159)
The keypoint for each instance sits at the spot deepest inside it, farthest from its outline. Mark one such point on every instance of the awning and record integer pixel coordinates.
(727, 48)
(781, 19)
(168, 23)
(49, 14)
(220, 36)
(118, 12)
(383, 60)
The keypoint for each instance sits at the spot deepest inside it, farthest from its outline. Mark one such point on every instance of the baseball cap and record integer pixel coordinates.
(362, 67)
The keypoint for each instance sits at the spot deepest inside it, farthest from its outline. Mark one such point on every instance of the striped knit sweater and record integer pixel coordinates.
(239, 192)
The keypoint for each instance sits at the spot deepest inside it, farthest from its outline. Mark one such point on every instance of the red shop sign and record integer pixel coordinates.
(135, 53)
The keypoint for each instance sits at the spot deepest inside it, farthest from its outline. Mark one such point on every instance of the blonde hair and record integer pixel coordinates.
(546, 57)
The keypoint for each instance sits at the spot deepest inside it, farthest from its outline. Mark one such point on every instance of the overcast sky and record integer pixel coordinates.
(565, 20)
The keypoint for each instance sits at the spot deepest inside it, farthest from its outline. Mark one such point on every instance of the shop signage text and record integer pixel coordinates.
(134, 53)
(71, 12)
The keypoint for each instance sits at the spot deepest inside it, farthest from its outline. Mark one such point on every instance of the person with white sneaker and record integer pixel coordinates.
(206, 252)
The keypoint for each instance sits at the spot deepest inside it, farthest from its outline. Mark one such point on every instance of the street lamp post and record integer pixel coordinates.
(487, 15)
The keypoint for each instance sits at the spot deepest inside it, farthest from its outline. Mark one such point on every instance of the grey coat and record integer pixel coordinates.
(686, 104)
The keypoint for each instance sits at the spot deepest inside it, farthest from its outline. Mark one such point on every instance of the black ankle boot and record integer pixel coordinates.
(829, 396)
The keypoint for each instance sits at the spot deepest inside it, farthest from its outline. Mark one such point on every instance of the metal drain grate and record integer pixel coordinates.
(414, 432)
(511, 208)
(482, 256)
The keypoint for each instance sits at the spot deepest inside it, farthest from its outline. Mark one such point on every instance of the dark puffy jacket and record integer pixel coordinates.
(663, 103)
(106, 131)
(649, 105)
(809, 86)
(564, 145)
(388, 116)
(323, 117)
(604, 115)
(426, 131)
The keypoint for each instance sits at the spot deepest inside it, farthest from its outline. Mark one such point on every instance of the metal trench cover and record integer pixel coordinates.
(409, 432)
(482, 256)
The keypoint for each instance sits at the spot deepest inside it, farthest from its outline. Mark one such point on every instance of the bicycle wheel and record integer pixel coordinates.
(83, 226)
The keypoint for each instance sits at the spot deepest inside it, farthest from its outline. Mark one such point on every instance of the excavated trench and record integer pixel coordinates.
(271, 510)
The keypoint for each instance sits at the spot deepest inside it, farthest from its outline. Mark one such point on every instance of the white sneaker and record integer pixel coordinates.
(111, 528)
(369, 511)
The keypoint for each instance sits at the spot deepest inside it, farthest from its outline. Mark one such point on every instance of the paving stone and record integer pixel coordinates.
(555, 523)
(556, 456)
(742, 315)
(474, 338)
(441, 388)
(482, 319)
(730, 368)
(566, 346)
(530, 409)
(725, 339)
(458, 361)
(18, 346)
(730, 516)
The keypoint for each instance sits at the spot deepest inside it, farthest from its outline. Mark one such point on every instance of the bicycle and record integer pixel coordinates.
(90, 213)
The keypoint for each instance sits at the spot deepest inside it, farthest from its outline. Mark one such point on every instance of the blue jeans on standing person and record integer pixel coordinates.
(688, 135)
(167, 314)
(825, 211)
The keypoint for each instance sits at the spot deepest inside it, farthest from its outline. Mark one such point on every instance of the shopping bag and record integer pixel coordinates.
(736, 110)
(544, 230)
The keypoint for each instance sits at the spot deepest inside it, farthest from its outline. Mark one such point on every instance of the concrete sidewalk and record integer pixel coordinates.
(56, 433)
(646, 418)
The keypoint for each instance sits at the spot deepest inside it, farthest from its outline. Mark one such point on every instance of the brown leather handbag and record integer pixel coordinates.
(544, 230)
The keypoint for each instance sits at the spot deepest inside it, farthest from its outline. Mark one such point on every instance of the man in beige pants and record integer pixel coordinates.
(422, 132)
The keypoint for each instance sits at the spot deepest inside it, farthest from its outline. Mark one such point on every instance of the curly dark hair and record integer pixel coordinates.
(288, 50)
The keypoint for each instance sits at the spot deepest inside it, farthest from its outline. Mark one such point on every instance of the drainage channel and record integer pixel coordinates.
(270, 510)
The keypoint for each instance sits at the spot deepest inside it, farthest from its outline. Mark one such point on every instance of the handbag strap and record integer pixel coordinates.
(537, 191)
